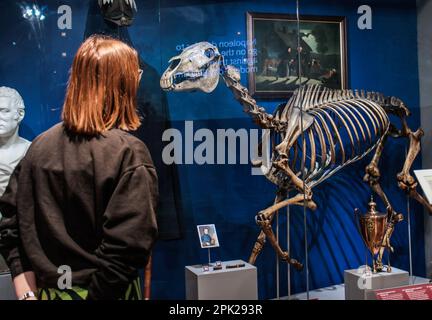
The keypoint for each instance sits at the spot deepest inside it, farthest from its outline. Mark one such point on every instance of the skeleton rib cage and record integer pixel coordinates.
(344, 127)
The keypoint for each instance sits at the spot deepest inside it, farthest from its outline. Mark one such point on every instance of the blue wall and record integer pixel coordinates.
(382, 59)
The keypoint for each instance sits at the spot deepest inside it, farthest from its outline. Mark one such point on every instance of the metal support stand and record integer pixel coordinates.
(409, 242)
(277, 259)
(409, 235)
(289, 250)
(300, 73)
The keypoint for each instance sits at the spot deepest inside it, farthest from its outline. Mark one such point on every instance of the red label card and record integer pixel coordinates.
(414, 292)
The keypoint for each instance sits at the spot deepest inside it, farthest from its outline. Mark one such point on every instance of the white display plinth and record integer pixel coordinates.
(7, 291)
(225, 284)
(359, 286)
(337, 292)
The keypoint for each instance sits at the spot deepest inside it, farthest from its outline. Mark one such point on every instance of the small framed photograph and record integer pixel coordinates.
(425, 179)
(208, 236)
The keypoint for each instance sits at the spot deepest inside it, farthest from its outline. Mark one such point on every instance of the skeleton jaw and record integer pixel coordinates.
(180, 81)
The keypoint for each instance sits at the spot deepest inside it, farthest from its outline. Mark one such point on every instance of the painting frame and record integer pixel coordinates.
(253, 51)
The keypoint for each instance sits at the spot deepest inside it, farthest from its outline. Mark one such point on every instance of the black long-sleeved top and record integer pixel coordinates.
(84, 203)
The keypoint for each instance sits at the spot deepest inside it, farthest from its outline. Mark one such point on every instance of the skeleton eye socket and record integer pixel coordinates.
(210, 53)
(175, 63)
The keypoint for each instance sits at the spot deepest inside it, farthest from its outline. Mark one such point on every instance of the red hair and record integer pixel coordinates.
(102, 88)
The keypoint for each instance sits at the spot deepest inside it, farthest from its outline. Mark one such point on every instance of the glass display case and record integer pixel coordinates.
(287, 117)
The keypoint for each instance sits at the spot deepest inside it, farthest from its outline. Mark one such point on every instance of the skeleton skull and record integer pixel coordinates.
(196, 68)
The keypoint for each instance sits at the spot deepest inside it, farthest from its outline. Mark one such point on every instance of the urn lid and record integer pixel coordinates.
(372, 211)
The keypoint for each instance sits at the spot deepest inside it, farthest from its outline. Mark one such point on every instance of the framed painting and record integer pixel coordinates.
(283, 54)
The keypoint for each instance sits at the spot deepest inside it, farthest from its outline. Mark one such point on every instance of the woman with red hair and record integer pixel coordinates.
(79, 212)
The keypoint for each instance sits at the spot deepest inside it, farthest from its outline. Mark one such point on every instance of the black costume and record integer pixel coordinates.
(153, 107)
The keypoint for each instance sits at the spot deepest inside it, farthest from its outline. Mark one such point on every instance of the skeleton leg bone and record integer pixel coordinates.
(302, 187)
(264, 220)
(373, 174)
(405, 180)
(259, 244)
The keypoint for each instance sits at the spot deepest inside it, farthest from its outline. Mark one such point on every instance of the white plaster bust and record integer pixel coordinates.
(12, 147)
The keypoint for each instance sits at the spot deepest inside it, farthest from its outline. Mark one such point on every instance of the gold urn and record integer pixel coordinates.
(372, 226)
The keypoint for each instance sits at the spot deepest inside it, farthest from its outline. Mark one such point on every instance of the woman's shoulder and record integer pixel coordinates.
(118, 144)
(126, 139)
(54, 130)
(47, 137)
(130, 145)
